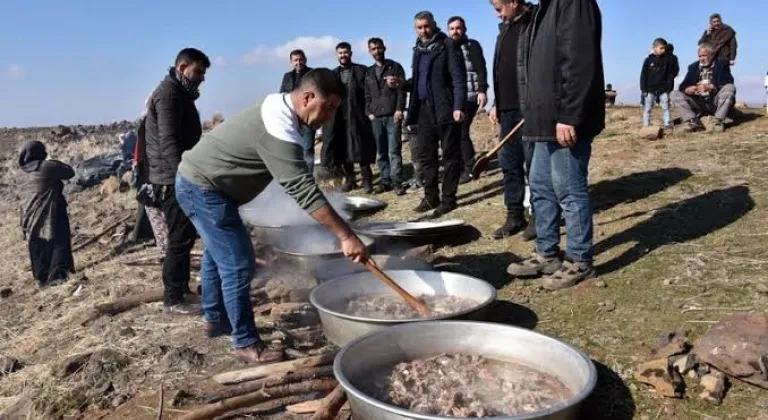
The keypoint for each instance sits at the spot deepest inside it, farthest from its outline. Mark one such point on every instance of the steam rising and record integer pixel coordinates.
(274, 207)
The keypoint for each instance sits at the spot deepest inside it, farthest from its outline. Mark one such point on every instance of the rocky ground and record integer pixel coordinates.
(681, 244)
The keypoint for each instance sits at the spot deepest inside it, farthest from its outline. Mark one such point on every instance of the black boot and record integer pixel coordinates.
(529, 233)
(515, 223)
(367, 174)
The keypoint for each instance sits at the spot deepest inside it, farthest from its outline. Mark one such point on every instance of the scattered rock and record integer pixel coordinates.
(651, 133)
(702, 369)
(713, 386)
(607, 306)
(127, 332)
(669, 282)
(601, 284)
(6, 292)
(762, 288)
(658, 374)
(684, 364)
(9, 365)
(671, 344)
(180, 397)
(71, 365)
(183, 358)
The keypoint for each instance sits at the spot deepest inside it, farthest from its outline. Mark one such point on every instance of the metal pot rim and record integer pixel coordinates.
(574, 400)
(330, 283)
(367, 241)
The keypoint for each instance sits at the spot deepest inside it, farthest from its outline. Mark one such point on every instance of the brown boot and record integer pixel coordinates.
(258, 354)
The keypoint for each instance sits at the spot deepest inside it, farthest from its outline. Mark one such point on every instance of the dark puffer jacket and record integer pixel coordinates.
(523, 45)
(565, 71)
(172, 127)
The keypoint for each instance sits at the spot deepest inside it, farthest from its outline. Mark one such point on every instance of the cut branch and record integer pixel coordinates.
(271, 381)
(264, 371)
(331, 405)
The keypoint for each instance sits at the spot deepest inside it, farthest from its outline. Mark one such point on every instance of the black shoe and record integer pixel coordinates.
(348, 186)
(400, 190)
(425, 206)
(465, 178)
(529, 233)
(383, 188)
(514, 224)
(367, 188)
(443, 209)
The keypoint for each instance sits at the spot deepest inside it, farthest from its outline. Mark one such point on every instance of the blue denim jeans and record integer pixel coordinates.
(650, 101)
(387, 134)
(559, 185)
(309, 148)
(228, 260)
(515, 161)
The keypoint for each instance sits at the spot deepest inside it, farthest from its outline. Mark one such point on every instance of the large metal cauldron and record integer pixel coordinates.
(306, 246)
(330, 298)
(387, 347)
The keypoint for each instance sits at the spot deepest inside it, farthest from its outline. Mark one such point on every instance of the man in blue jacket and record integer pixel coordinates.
(438, 96)
(707, 88)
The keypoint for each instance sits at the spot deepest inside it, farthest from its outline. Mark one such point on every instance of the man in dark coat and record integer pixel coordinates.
(44, 219)
(438, 97)
(722, 38)
(290, 82)
(173, 127)
(565, 111)
(348, 138)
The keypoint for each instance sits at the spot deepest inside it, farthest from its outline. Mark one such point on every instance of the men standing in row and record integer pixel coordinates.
(290, 82)
(477, 86)
(384, 105)
(172, 127)
(510, 82)
(564, 112)
(438, 93)
(722, 38)
(348, 138)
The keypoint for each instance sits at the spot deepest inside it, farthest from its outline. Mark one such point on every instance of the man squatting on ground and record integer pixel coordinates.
(229, 167)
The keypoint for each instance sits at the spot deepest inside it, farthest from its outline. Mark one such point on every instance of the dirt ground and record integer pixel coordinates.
(680, 234)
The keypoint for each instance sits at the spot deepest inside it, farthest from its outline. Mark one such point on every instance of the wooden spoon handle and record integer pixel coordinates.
(409, 299)
(506, 139)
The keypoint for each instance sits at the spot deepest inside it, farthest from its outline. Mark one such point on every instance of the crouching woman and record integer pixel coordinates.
(44, 219)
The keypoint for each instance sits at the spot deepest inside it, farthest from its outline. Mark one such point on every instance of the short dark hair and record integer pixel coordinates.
(192, 55)
(297, 52)
(323, 81)
(660, 41)
(344, 45)
(459, 18)
(715, 16)
(425, 15)
(375, 41)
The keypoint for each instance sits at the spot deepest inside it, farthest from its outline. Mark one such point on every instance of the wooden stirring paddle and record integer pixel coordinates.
(409, 299)
(482, 164)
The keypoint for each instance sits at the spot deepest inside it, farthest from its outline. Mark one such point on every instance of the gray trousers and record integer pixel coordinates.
(718, 105)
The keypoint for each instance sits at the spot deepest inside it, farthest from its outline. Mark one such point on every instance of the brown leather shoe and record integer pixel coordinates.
(252, 354)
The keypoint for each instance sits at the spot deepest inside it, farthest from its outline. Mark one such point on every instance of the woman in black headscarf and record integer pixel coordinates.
(44, 219)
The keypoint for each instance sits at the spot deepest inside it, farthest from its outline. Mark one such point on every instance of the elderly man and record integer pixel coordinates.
(438, 96)
(707, 89)
(231, 166)
(567, 111)
(722, 38)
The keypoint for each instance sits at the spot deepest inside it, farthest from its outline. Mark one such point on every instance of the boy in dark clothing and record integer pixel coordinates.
(657, 79)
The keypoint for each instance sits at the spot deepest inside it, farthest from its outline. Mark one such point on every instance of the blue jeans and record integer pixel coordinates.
(386, 132)
(228, 260)
(559, 185)
(309, 148)
(515, 161)
(650, 101)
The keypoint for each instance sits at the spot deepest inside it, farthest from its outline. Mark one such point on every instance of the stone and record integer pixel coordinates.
(702, 369)
(651, 133)
(601, 284)
(668, 282)
(671, 344)
(6, 292)
(713, 386)
(607, 306)
(658, 374)
(684, 364)
(762, 288)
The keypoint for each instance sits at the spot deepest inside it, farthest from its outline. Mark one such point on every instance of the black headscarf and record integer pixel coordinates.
(31, 154)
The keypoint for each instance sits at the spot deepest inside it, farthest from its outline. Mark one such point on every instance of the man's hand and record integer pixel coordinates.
(354, 249)
(493, 116)
(393, 82)
(458, 116)
(371, 117)
(398, 117)
(708, 87)
(691, 90)
(566, 135)
(482, 99)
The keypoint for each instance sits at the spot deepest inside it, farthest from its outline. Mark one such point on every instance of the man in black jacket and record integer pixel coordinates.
(348, 138)
(438, 96)
(384, 105)
(707, 88)
(510, 66)
(565, 110)
(173, 127)
(477, 88)
(290, 82)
